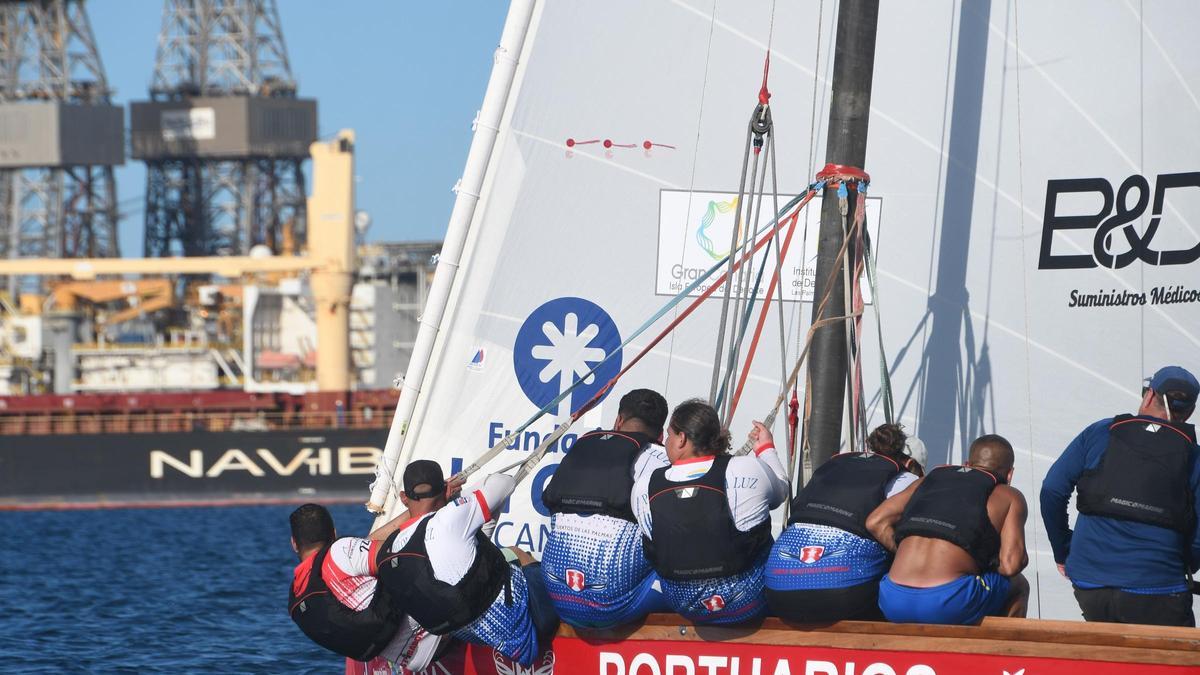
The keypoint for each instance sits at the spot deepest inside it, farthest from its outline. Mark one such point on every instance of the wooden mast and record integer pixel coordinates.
(849, 109)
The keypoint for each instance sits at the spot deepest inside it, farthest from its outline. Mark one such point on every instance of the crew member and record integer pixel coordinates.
(826, 565)
(453, 580)
(959, 539)
(706, 517)
(342, 608)
(1137, 481)
(596, 572)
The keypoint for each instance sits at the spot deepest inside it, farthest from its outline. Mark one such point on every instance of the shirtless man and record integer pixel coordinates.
(959, 539)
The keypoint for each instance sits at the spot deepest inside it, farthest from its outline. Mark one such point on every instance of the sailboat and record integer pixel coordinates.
(1033, 175)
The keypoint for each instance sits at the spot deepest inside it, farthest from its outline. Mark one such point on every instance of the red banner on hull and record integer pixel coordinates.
(573, 656)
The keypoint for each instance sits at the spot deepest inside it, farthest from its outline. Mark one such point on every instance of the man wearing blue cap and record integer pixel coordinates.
(1137, 479)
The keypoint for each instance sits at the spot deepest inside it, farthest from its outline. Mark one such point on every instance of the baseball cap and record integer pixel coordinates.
(423, 472)
(916, 449)
(1178, 380)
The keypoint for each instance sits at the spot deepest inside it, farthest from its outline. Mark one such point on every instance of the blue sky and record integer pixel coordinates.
(407, 76)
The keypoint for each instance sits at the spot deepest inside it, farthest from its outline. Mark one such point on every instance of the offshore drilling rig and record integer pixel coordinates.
(223, 135)
(225, 139)
(60, 137)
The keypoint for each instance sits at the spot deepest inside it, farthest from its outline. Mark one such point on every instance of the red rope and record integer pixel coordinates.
(793, 421)
(762, 319)
(833, 174)
(858, 304)
(764, 96)
(692, 307)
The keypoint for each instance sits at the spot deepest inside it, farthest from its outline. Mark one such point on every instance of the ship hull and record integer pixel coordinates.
(196, 467)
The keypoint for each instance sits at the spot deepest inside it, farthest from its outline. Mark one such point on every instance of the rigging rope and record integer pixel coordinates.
(727, 416)
(840, 176)
(831, 175)
(1037, 565)
(735, 350)
(737, 224)
(760, 125)
(885, 377)
(536, 455)
(753, 210)
(762, 318)
(796, 203)
(744, 295)
(791, 430)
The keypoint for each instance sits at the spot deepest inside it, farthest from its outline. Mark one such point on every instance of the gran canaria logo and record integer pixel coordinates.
(710, 215)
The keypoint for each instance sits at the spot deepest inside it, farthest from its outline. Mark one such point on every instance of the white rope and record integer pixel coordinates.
(779, 285)
(801, 435)
(771, 34)
(528, 465)
(1037, 577)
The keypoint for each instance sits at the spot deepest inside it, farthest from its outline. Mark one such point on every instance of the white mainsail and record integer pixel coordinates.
(1001, 314)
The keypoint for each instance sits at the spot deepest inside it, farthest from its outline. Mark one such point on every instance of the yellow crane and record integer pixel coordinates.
(140, 296)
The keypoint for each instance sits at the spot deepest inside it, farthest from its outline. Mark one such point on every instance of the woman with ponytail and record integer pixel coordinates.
(826, 566)
(706, 518)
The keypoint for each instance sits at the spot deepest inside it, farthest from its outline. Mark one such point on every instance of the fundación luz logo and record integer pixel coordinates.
(558, 344)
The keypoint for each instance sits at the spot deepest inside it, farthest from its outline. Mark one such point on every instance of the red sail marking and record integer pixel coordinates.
(610, 143)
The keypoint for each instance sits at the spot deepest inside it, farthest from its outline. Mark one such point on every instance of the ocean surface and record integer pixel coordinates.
(187, 590)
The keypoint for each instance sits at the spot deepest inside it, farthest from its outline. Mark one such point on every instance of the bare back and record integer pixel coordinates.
(922, 562)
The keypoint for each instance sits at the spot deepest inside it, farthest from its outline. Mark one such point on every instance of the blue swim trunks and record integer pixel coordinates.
(966, 600)
(727, 600)
(596, 573)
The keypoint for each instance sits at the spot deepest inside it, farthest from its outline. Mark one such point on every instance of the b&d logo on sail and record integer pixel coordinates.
(1117, 242)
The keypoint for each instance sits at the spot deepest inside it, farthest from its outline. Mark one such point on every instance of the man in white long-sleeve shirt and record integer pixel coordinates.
(706, 518)
(452, 579)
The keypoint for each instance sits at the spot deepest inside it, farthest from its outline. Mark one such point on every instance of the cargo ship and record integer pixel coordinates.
(252, 379)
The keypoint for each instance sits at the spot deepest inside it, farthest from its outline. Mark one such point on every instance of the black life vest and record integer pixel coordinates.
(1143, 475)
(596, 476)
(360, 635)
(951, 504)
(844, 491)
(440, 607)
(694, 533)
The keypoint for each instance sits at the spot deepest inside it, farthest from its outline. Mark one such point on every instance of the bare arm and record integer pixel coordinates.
(385, 530)
(882, 521)
(1013, 556)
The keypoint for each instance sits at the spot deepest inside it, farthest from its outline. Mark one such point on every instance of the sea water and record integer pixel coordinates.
(174, 590)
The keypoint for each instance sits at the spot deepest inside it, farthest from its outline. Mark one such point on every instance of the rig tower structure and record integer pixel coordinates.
(60, 137)
(224, 136)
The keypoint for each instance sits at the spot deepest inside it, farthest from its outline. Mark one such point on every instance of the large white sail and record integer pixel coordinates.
(1001, 314)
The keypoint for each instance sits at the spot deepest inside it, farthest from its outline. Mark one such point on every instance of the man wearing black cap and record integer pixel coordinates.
(340, 607)
(1137, 478)
(453, 580)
